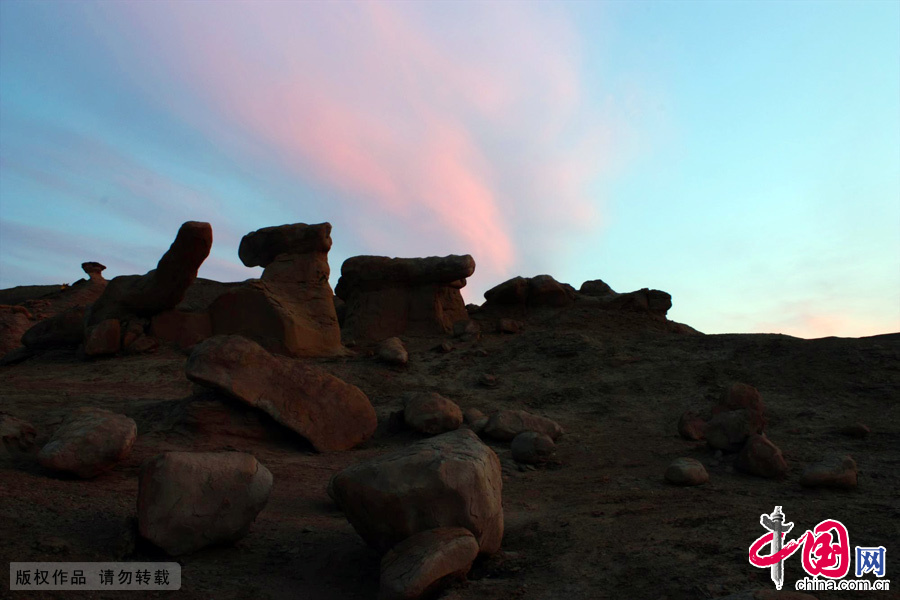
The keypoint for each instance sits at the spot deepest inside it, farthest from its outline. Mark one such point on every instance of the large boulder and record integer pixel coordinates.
(655, 302)
(162, 288)
(290, 310)
(63, 330)
(188, 500)
(450, 480)
(88, 442)
(420, 563)
(387, 297)
(331, 414)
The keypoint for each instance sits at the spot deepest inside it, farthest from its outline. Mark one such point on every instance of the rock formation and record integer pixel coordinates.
(189, 500)
(386, 297)
(450, 480)
(331, 414)
(290, 310)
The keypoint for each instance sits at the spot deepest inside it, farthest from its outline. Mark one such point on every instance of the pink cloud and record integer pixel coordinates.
(467, 129)
(806, 320)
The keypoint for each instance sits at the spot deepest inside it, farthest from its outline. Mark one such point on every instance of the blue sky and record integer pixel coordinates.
(743, 156)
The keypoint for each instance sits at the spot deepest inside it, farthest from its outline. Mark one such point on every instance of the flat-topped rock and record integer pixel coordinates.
(377, 271)
(261, 247)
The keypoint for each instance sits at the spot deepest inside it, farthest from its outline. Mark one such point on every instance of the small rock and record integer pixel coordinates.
(837, 472)
(88, 442)
(509, 326)
(144, 344)
(479, 425)
(444, 347)
(17, 436)
(103, 338)
(431, 413)
(488, 380)
(467, 329)
(857, 430)
(189, 500)
(686, 471)
(532, 447)
(729, 430)
(393, 351)
(505, 425)
(471, 415)
(691, 426)
(421, 562)
(761, 457)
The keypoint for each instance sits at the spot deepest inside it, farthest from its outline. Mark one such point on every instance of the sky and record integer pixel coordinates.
(742, 156)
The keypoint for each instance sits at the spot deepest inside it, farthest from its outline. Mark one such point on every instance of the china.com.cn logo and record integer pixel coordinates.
(826, 553)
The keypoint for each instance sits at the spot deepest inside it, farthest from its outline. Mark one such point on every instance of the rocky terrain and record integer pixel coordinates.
(387, 441)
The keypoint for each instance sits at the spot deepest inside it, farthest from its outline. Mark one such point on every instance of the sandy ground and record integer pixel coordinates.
(598, 522)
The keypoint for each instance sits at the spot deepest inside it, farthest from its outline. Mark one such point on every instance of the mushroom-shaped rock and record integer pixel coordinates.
(421, 562)
(261, 247)
(290, 310)
(93, 269)
(686, 471)
(162, 288)
(386, 297)
(450, 480)
(88, 442)
(505, 425)
(836, 472)
(331, 414)
(431, 413)
(761, 457)
(189, 500)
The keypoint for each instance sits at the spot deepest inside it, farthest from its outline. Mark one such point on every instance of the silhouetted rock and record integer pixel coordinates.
(331, 414)
(387, 297)
(290, 310)
(421, 562)
(88, 442)
(596, 287)
(162, 288)
(94, 270)
(836, 472)
(542, 290)
(187, 500)
(761, 457)
(431, 413)
(505, 425)
(654, 302)
(686, 471)
(450, 480)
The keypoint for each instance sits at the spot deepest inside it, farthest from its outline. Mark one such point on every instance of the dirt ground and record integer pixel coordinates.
(599, 522)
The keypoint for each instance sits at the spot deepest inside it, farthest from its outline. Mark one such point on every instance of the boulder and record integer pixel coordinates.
(686, 471)
(103, 338)
(836, 472)
(387, 297)
(63, 330)
(88, 442)
(450, 480)
(392, 351)
(727, 431)
(331, 414)
(542, 290)
(179, 327)
(655, 302)
(596, 287)
(431, 413)
(532, 447)
(738, 396)
(761, 457)
(509, 326)
(188, 500)
(691, 426)
(505, 425)
(290, 310)
(14, 322)
(160, 289)
(421, 562)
